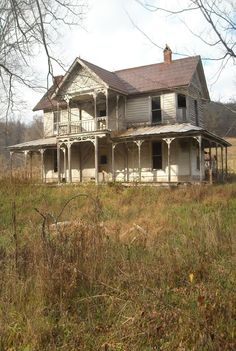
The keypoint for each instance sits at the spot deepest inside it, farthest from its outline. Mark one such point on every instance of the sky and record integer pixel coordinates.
(109, 38)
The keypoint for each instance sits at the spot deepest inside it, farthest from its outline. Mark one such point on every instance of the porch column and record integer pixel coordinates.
(64, 154)
(95, 111)
(169, 141)
(222, 163)
(126, 153)
(217, 168)
(113, 145)
(69, 144)
(107, 109)
(117, 111)
(58, 163)
(210, 166)
(96, 159)
(226, 163)
(139, 144)
(42, 164)
(67, 99)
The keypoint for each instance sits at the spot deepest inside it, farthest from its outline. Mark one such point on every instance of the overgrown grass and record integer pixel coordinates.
(134, 269)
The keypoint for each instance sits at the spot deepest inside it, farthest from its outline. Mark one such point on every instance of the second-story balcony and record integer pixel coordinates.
(83, 126)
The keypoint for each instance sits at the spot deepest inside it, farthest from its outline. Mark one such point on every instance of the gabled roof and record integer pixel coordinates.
(144, 79)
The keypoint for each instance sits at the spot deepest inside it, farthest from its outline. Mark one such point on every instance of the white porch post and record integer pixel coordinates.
(117, 111)
(222, 163)
(96, 159)
(31, 154)
(58, 163)
(113, 145)
(64, 154)
(210, 164)
(42, 164)
(217, 168)
(139, 144)
(126, 162)
(168, 141)
(95, 111)
(69, 144)
(107, 109)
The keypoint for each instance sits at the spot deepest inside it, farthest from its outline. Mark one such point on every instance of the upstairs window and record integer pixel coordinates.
(181, 99)
(56, 121)
(156, 109)
(157, 155)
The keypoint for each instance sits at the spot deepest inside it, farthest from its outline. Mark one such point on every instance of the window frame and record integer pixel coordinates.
(152, 110)
(55, 124)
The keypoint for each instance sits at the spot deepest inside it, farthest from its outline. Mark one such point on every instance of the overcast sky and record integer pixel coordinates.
(110, 40)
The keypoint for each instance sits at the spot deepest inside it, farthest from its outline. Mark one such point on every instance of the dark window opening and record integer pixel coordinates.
(196, 112)
(102, 113)
(54, 155)
(157, 155)
(181, 101)
(56, 121)
(103, 159)
(156, 109)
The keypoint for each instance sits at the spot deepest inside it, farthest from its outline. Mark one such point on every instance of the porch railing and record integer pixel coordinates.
(83, 126)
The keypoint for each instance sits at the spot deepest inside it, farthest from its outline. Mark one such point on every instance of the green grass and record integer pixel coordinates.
(117, 277)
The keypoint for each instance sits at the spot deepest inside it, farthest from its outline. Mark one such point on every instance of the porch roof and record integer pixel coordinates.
(34, 144)
(174, 130)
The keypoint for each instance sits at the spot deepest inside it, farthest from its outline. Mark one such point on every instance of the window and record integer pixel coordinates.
(157, 155)
(156, 109)
(196, 112)
(103, 159)
(102, 113)
(54, 155)
(56, 121)
(181, 101)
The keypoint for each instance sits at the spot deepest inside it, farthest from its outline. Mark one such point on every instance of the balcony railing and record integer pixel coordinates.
(83, 126)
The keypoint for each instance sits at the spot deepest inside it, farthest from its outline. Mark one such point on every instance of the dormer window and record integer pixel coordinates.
(156, 110)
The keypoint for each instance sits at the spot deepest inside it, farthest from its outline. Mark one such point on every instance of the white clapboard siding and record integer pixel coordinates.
(138, 110)
(48, 124)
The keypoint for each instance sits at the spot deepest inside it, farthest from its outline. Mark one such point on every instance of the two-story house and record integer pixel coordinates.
(140, 124)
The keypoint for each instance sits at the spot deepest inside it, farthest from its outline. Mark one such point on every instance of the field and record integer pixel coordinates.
(125, 269)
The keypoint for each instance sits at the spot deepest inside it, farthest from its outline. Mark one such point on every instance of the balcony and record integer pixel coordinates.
(83, 126)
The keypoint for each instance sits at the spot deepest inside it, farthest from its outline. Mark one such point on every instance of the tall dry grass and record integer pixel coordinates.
(128, 269)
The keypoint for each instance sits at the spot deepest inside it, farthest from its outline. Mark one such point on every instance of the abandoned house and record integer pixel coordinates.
(142, 124)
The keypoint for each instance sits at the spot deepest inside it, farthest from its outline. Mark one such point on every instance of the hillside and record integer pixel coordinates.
(131, 269)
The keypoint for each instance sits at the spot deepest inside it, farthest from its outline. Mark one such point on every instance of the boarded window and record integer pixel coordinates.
(157, 155)
(156, 109)
(56, 121)
(54, 155)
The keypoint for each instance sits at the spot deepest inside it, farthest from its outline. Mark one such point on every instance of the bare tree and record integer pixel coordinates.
(219, 16)
(28, 28)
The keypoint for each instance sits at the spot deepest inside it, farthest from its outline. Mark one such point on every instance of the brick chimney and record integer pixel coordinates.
(167, 54)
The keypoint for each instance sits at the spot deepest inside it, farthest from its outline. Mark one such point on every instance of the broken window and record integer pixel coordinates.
(157, 155)
(181, 99)
(156, 109)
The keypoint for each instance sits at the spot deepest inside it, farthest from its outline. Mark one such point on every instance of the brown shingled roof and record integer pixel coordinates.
(142, 79)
